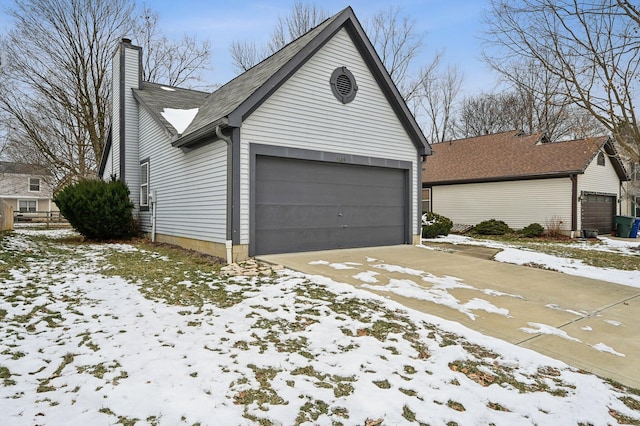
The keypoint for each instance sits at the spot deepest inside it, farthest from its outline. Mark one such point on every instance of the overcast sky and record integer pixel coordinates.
(453, 26)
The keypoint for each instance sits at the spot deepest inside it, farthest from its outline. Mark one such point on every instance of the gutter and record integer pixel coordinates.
(229, 231)
(504, 178)
(198, 135)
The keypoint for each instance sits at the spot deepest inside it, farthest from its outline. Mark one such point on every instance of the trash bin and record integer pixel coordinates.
(634, 228)
(624, 225)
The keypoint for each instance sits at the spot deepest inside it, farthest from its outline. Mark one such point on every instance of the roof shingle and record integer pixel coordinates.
(507, 156)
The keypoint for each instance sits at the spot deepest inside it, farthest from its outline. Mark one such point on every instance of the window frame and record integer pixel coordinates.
(425, 200)
(27, 208)
(144, 184)
(31, 184)
(600, 160)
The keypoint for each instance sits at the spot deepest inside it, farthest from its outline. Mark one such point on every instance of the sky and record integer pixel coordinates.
(81, 346)
(451, 26)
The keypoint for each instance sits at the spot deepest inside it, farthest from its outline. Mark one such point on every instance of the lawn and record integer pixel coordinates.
(135, 333)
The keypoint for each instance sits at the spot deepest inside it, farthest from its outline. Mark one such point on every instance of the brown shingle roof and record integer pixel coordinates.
(511, 155)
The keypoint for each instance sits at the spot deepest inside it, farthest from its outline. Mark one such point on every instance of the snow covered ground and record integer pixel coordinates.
(520, 256)
(81, 345)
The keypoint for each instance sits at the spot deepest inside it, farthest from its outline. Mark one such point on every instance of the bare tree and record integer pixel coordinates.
(176, 63)
(591, 48)
(488, 113)
(246, 54)
(301, 18)
(435, 101)
(57, 72)
(484, 114)
(57, 78)
(397, 43)
(429, 91)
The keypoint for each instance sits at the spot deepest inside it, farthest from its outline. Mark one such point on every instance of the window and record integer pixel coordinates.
(600, 159)
(28, 206)
(34, 184)
(144, 184)
(426, 200)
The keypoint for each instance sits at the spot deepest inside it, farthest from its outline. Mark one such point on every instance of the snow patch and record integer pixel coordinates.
(604, 348)
(537, 328)
(367, 277)
(179, 118)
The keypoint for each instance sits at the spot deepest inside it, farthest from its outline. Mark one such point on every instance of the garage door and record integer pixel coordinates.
(302, 205)
(598, 212)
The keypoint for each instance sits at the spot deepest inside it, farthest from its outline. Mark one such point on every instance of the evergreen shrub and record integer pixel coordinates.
(433, 225)
(533, 230)
(492, 227)
(97, 209)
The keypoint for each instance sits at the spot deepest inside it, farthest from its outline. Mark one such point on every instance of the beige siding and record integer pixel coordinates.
(601, 179)
(14, 187)
(191, 187)
(303, 113)
(518, 203)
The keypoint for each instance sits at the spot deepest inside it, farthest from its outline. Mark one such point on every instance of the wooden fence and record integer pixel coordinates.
(43, 217)
(6, 216)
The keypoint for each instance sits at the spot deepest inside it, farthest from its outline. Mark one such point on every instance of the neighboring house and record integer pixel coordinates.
(26, 188)
(521, 179)
(311, 149)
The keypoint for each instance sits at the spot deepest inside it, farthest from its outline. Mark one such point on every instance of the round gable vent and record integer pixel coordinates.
(343, 85)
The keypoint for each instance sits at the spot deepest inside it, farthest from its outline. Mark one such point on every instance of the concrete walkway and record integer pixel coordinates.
(600, 321)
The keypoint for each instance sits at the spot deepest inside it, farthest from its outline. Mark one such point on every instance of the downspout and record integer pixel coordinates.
(229, 233)
(154, 197)
(574, 204)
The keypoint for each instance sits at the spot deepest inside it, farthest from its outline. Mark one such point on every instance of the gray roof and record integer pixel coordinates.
(157, 97)
(233, 102)
(23, 169)
(227, 98)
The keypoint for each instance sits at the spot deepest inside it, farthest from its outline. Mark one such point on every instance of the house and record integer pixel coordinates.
(26, 188)
(521, 179)
(313, 148)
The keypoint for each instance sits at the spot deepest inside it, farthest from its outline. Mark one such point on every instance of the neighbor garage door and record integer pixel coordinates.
(598, 212)
(302, 205)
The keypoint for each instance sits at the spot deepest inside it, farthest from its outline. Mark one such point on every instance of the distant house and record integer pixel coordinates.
(26, 188)
(522, 179)
(313, 148)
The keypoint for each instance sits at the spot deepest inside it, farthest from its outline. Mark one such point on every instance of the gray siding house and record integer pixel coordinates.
(311, 149)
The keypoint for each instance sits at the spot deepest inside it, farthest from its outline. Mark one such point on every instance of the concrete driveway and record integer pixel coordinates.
(589, 324)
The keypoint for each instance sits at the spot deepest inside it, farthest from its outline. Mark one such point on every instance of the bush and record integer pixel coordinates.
(533, 230)
(96, 209)
(492, 227)
(433, 225)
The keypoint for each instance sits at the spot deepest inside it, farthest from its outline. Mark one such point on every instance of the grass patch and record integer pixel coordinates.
(45, 385)
(173, 275)
(311, 411)
(455, 405)
(5, 376)
(502, 375)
